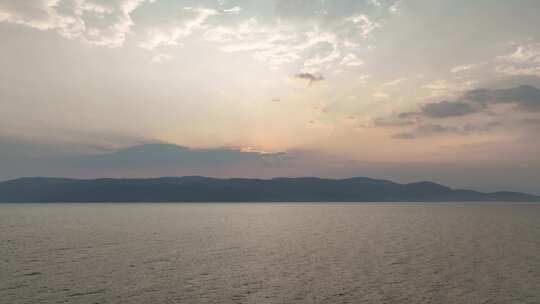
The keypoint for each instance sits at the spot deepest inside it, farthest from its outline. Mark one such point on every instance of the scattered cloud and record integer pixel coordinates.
(440, 84)
(522, 108)
(233, 10)
(320, 39)
(525, 60)
(70, 19)
(525, 97)
(351, 60)
(404, 135)
(394, 8)
(363, 23)
(159, 36)
(394, 82)
(444, 87)
(524, 54)
(530, 121)
(447, 109)
(431, 129)
(463, 68)
(392, 122)
(362, 79)
(309, 77)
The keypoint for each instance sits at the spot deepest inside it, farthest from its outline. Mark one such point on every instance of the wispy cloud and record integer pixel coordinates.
(158, 36)
(463, 68)
(69, 20)
(525, 60)
(351, 60)
(395, 82)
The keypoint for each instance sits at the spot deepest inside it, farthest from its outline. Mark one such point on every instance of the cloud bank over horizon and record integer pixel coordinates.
(162, 159)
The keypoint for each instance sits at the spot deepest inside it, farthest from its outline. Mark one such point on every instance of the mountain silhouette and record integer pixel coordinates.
(205, 189)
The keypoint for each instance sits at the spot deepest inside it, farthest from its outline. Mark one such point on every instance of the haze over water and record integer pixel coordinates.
(270, 253)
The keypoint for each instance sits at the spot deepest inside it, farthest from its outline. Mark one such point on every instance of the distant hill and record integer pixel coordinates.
(204, 189)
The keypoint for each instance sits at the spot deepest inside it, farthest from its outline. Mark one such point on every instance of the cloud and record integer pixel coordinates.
(144, 160)
(434, 129)
(362, 79)
(379, 122)
(160, 36)
(394, 8)
(447, 109)
(314, 64)
(309, 77)
(316, 34)
(525, 60)
(351, 60)
(72, 19)
(233, 10)
(525, 97)
(408, 115)
(462, 68)
(440, 84)
(404, 135)
(273, 44)
(363, 23)
(157, 155)
(524, 54)
(530, 121)
(431, 129)
(320, 35)
(394, 82)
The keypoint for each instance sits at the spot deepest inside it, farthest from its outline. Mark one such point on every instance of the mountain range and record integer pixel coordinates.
(206, 189)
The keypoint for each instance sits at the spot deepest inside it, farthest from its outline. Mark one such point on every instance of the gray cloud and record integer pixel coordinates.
(447, 109)
(404, 135)
(525, 97)
(523, 176)
(19, 159)
(158, 155)
(309, 77)
(434, 128)
(408, 114)
(379, 122)
(428, 130)
(530, 121)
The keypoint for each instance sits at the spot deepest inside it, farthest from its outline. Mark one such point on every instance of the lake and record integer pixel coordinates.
(270, 253)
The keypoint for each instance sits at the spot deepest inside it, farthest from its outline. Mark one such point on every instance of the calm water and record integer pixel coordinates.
(270, 253)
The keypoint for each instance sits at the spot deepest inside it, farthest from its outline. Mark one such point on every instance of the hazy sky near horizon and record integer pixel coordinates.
(445, 87)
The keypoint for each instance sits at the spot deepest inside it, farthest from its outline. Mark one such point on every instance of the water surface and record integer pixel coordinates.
(270, 253)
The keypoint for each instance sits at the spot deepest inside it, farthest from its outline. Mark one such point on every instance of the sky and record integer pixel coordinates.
(407, 90)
